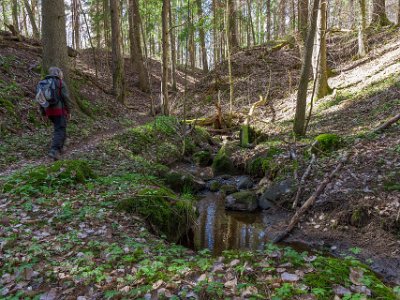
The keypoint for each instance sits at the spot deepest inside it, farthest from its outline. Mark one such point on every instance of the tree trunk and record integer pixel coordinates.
(76, 24)
(35, 30)
(202, 36)
(299, 120)
(117, 58)
(135, 45)
(14, 11)
(232, 25)
(269, 21)
(379, 17)
(5, 16)
(165, 57)
(362, 26)
(106, 23)
(303, 18)
(282, 18)
(229, 47)
(173, 50)
(251, 22)
(321, 69)
(54, 37)
(398, 12)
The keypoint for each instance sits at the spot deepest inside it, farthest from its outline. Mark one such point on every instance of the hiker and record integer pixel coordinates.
(55, 104)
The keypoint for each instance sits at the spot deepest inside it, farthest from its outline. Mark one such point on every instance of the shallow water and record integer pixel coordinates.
(219, 230)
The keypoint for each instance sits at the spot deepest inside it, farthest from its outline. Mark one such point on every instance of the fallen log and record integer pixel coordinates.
(387, 124)
(310, 201)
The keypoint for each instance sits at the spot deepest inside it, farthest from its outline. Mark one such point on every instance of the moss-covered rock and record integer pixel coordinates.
(47, 178)
(327, 143)
(242, 201)
(181, 182)
(215, 186)
(222, 163)
(202, 158)
(171, 215)
(228, 189)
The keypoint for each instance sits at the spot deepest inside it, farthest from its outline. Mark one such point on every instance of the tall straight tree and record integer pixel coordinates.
(269, 20)
(303, 18)
(165, 57)
(232, 26)
(173, 50)
(379, 16)
(299, 119)
(135, 22)
(202, 36)
(117, 58)
(321, 68)
(362, 26)
(14, 11)
(54, 38)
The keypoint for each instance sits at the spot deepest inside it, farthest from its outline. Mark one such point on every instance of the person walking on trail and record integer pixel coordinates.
(56, 106)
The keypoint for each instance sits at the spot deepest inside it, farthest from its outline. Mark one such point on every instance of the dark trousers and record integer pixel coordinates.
(60, 132)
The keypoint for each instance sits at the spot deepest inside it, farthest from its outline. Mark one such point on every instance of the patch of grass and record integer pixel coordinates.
(339, 98)
(46, 179)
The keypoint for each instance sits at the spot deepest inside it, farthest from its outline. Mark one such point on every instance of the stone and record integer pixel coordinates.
(241, 201)
(341, 290)
(245, 183)
(275, 192)
(214, 186)
(287, 277)
(228, 189)
(181, 181)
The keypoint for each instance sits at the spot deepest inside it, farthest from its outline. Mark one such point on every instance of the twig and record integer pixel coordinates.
(310, 202)
(387, 124)
(303, 181)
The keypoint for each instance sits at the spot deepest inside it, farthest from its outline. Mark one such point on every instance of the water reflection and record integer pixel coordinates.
(219, 230)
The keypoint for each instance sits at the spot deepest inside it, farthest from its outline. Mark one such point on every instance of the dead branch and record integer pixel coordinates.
(387, 124)
(310, 202)
(303, 181)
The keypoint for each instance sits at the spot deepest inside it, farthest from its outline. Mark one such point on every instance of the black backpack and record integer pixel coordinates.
(46, 92)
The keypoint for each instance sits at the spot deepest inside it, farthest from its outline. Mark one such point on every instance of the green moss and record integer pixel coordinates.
(392, 182)
(180, 182)
(265, 164)
(202, 158)
(222, 163)
(332, 271)
(228, 189)
(44, 179)
(327, 142)
(215, 186)
(171, 215)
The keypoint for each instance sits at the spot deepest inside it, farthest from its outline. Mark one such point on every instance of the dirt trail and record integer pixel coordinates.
(76, 147)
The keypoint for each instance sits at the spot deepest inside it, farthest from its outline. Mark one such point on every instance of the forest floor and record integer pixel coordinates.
(65, 233)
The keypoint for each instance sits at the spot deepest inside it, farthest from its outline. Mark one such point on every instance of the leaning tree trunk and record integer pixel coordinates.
(299, 120)
(117, 58)
(321, 69)
(54, 37)
(362, 26)
(303, 18)
(31, 16)
(202, 36)
(165, 57)
(379, 17)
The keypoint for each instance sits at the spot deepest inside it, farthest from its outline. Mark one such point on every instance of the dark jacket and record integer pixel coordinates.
(63, 106)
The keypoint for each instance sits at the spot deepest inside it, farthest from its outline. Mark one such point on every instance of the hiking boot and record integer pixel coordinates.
(54, 154)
